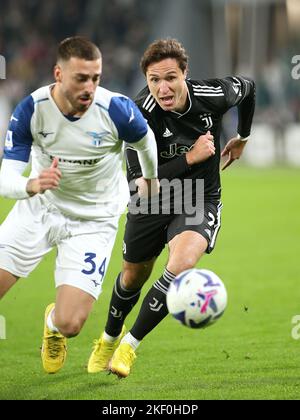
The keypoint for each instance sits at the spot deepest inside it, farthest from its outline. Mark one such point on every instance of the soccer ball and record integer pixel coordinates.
(197, 298)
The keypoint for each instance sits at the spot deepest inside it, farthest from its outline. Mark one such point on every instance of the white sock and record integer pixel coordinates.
(129, 339)
(50, 324)
(110, 338)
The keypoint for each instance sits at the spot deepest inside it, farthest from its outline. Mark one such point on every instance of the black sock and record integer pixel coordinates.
(154, 307)
(121, 303)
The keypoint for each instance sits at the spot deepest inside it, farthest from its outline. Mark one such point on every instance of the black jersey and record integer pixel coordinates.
(176, 133)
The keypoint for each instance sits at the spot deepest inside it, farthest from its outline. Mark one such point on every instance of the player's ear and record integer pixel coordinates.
(57, 73)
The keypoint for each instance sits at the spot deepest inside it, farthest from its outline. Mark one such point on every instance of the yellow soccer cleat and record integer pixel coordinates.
(54, 348)
(122, 360)
(102, 353)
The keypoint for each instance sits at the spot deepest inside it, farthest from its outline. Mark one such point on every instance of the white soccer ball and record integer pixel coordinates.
(197, 298)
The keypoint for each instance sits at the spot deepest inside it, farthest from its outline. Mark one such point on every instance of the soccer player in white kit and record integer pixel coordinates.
(74, 132)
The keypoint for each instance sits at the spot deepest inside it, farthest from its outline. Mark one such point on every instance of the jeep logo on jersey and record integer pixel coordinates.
(175, 150)
(97, 137)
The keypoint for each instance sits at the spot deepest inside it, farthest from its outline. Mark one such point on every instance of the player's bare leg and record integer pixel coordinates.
(7, 280)
(72, 309)
(63, 320)
(134, 276)
(185, 251)
(125, 295)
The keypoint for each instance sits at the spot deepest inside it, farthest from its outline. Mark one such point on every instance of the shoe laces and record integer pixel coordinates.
(98, 344)
(55, 346)
(128, 356)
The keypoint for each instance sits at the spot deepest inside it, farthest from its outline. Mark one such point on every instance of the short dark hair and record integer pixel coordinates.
(79, 47)
(162, 49)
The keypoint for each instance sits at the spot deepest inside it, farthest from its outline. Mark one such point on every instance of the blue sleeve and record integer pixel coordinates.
(130, 123)
(19, 138)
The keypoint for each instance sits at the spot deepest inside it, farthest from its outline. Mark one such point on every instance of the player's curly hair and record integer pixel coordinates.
(162, 49)
(79, 47)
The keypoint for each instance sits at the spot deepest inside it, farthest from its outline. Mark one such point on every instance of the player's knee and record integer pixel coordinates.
(134, 276)
(178, 266)
(69, 328)
(130, 280)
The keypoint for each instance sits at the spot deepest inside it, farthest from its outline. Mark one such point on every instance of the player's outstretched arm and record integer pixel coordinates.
(233, 149)
(14, 185)
(134, 130)
(240, 92)
(148, 185)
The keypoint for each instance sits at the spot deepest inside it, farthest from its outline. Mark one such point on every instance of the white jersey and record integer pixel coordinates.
(90, 149)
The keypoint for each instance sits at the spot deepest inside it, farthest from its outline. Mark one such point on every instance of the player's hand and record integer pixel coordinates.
(233, 149)
(147, 187)
(47, 180)
(203, 149)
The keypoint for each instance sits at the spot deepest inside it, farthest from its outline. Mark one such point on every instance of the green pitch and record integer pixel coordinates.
(248, 354)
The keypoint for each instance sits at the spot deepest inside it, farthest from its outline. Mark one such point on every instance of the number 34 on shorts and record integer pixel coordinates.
(94, 269)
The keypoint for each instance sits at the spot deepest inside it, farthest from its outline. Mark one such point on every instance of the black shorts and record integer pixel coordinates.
(146, 235)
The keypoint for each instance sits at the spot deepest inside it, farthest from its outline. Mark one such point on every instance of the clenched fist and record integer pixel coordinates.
(203, 149)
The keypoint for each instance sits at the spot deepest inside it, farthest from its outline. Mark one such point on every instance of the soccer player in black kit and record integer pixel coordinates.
(186, 117)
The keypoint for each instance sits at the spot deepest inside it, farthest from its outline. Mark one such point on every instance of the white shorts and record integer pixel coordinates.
(34, 227)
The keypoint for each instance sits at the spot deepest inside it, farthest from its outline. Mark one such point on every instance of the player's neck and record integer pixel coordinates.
(184, 102)
(63, 104)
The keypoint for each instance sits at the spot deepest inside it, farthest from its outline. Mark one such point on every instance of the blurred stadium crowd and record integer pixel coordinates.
(29, 35)
(278, 95)
(31, 29)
